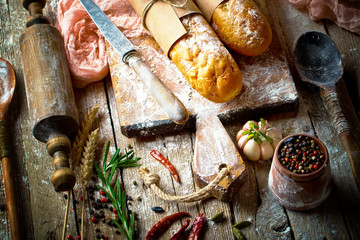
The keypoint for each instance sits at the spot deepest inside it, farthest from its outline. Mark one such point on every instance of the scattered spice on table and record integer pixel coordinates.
(181, 231)
(218, 217)
(301, 155)
(237, 233)
(236, 229)
(197, 226)
(157, 209)
(160, 227)
(164, 161)
(242, 224)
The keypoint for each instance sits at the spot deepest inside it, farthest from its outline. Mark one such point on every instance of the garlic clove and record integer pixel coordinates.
(274, 133)
(247, 124)
(264, 127)
(266, 150)
(242, 141)
(239, 134)
(252, 150)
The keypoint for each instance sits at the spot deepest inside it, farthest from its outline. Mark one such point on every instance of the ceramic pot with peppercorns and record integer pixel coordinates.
(300, 175)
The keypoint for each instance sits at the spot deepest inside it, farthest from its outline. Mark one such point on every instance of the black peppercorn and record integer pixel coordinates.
(301, 155)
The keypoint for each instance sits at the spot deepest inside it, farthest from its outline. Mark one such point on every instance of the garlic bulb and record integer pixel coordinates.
(258, 140)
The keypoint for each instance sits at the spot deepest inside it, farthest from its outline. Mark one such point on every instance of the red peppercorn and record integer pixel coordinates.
(94, 220)
(106, 238)
(79, 237)
(294, 159)
(316, 166)
(287, 159)
(102, 192)
(304, 154)
(114, 211)
(103, 200)
(70, 237)
(297, 166)
(315, 152)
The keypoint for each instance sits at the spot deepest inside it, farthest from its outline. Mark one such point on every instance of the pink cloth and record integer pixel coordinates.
(342, 14)
(84, 44)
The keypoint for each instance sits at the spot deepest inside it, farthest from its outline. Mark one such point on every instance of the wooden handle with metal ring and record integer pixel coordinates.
(49, 91)
(10, 190)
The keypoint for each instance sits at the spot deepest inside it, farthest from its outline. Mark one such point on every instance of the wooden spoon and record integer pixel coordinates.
(7, 88)
(318, 62)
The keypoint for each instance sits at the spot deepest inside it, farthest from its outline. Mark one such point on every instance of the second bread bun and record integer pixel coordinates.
(242, 27)
(205, 62)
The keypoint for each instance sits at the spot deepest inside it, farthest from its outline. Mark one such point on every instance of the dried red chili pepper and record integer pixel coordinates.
(164, 161)
(196, 227)
(160, 227)
(177, 235)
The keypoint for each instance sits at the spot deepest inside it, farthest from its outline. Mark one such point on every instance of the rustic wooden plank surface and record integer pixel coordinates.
(42, 209)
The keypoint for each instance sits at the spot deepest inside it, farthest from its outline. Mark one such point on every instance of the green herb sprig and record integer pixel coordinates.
(115, 194)
(256, 134)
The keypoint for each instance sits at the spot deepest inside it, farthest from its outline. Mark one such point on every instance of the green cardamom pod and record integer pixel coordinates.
(238, 234)
(218, 217)
(241, 224)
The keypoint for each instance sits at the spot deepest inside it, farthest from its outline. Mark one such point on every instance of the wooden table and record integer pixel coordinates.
(42, 209)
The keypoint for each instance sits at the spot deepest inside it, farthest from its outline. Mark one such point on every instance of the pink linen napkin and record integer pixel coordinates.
(84, 44)
(345, 14)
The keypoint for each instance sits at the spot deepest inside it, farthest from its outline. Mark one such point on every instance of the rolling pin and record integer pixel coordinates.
(50, 96)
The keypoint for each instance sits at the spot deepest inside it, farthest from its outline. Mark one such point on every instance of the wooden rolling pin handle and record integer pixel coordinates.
(35, 11)
(10, 191)
(63, 178)
(345, 120)
(27, 3)
(172, 106)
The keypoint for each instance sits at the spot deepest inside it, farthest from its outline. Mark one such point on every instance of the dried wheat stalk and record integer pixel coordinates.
(82, 135)
(86, 168)
(88, 158)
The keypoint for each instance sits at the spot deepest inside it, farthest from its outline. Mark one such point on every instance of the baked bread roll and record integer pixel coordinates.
(242, 27)
(205, 62)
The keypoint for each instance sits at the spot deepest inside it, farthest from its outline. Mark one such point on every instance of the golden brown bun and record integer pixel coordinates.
(205, 62)
(242, 27)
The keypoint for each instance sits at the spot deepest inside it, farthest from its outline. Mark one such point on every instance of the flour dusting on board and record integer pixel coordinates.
(266, 82)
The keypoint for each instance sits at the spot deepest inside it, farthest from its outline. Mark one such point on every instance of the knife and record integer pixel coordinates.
(172, 106)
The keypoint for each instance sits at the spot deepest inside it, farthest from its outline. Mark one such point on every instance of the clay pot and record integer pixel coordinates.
(300, 191)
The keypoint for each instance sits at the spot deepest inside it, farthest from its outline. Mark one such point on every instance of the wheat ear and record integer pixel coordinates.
(82, 135)
(88, 158)
(86, 168)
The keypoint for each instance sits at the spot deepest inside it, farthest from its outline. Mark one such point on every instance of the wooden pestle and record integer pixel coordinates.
(50, 96)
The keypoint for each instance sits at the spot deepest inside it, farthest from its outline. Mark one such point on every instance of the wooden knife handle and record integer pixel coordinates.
(172, 106)
(346, 123)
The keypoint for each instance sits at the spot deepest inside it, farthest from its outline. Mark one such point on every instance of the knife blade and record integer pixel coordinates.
(167, 100)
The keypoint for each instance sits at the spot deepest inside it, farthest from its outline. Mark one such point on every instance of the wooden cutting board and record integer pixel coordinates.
(267, 88)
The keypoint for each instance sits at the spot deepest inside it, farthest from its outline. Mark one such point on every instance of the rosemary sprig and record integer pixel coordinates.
(115, 194)
(256, 134)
